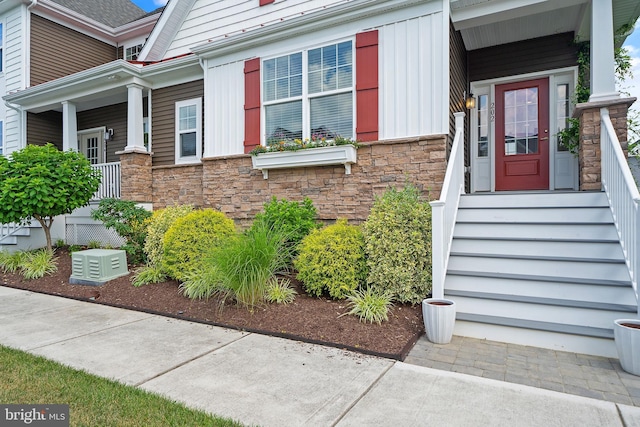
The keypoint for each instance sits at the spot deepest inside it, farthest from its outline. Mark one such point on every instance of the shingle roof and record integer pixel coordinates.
(109, 12)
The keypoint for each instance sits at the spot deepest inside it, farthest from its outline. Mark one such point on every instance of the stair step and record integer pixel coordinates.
(541, 200)
(564, 232)
(576, 320)
(9, 241)
(545, 270)
(602, 297)
(559, 250)
(596, 215)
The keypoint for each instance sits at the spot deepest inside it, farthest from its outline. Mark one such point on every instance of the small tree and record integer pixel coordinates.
(42, 182)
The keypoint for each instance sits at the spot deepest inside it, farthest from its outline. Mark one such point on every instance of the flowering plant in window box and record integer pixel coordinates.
(314, 151)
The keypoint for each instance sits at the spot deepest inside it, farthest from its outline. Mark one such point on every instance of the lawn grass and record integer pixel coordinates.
(93, 401)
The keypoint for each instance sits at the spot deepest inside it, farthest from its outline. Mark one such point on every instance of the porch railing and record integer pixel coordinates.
(445, 210)
(623, 195)
(110, 184)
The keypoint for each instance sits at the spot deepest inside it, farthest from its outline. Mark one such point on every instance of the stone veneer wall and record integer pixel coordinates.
(136, 179)
(589, 148)
(230, 185)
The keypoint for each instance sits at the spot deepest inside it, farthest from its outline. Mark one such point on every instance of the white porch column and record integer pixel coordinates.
(135, 133)
(69, 126)
(603, 82)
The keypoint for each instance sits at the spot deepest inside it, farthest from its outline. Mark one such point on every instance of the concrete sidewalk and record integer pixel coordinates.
(270, 381)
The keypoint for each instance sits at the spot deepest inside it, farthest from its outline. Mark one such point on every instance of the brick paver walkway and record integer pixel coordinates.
(579, 374)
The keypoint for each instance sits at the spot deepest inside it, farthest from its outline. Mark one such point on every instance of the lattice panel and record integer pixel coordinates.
(82, 234)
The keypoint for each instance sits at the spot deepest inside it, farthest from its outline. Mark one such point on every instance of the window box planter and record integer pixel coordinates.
(321, 156)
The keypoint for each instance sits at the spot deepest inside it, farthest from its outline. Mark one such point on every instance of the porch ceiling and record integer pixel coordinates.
(485, 23)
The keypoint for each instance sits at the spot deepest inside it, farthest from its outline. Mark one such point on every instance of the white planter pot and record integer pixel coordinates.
(439, 317)
(628, 344)
(322, 156)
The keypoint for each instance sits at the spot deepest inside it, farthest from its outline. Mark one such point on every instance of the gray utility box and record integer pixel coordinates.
(95, 267)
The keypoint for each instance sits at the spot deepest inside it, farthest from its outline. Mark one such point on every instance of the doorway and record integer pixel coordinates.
(522, 135)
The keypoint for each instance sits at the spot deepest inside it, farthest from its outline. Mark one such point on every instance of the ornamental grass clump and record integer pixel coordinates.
(397, 237)
(38, 264)
(332, 260)
(279, 291)
(191, 238)
(370, 305)
(241, 268)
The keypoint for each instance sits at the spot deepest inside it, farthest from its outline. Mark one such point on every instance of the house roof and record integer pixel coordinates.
(113, 13)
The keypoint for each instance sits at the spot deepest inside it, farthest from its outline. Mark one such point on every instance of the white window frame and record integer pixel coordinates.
(138, 47)
(198, 129)
(2, 152)
(306, 97)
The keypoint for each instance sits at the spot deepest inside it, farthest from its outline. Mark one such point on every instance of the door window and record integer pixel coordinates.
(521, 121)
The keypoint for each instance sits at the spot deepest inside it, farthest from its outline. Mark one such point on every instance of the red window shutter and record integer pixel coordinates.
(263, 2)
(251, 104)
(367, 86)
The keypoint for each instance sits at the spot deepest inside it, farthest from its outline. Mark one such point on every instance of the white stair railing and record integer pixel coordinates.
(445, 210)
(7, 230)
(623, 195)
(110, 184)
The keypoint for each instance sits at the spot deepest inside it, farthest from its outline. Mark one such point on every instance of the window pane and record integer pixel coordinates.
(269, 90)
(344, 54)
(483, 126)
(269, 69)
(283, 121)
(282, 89)
(188, 144)
(562, 111)
(345, 77)
(315, 60)
(332, 116)
(295, 64)
(315, 82)
(295, 86)
(282, 66)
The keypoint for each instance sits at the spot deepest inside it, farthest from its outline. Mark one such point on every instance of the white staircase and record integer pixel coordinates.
(542, 269)
(21, 237)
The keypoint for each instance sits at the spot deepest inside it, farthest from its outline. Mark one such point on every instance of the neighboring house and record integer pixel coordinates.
(217, 78)
(45, 40)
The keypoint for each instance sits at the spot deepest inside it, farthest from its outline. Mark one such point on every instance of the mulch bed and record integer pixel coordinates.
(308, 319)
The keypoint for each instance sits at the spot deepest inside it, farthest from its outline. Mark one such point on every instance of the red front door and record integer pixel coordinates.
(522, 135)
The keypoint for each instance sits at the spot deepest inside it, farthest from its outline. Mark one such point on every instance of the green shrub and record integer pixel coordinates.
(294, 220)
(11, 262)
(127, 219)
(191, 238)
(332, 259)
(94, 244)
(39, 263)
(241, 267)
(370, 305)
(280, 291)
(148, 274)
(397, 237)
(157, 225)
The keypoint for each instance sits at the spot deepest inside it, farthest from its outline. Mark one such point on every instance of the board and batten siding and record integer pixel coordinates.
(224, 120)
(413, 93)
(14, 74)
(45, 127)
(72, 51)
(163, 111)
(111, 117)
(544, 53)
(209, 20)
(457, 90)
